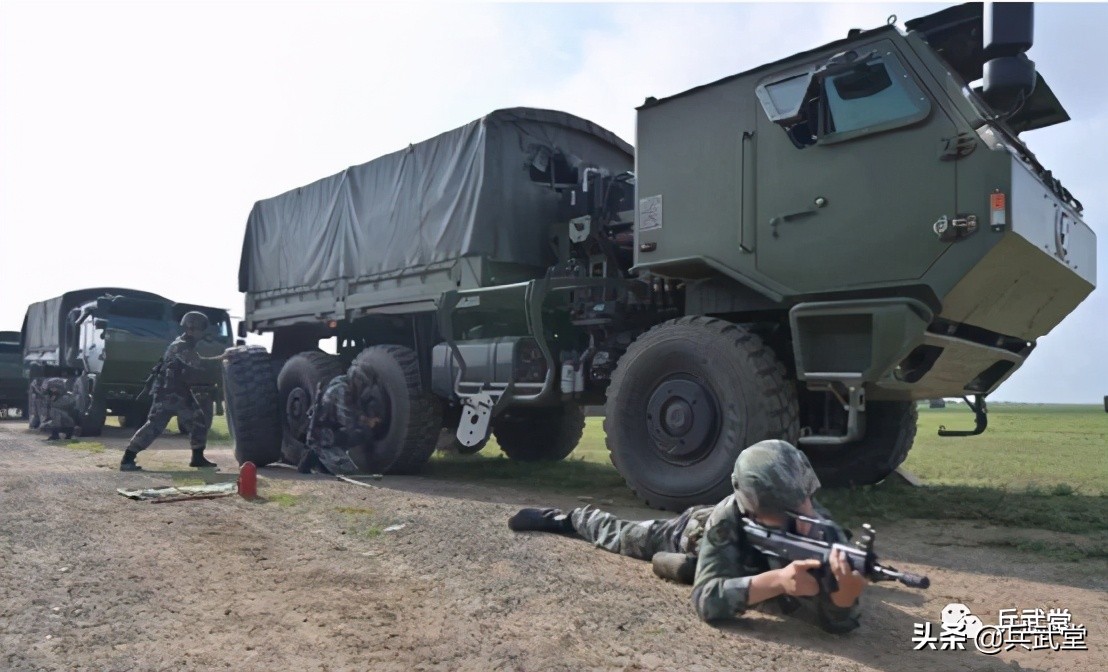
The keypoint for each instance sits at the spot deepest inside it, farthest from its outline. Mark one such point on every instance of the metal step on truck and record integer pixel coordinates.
(801, 251)
(104, 341)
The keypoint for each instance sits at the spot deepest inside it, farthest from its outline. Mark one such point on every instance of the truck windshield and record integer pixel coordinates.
(874, 93)
(145, 327)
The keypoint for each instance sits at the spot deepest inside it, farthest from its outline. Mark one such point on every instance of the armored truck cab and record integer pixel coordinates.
(802, 251)
(13, 387)
(104, 342)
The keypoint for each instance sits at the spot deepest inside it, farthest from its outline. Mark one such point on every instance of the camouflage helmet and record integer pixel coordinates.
(194, 321)
(773, 477)
(56, 386)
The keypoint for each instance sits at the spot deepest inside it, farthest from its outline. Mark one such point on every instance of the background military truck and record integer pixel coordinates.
(104, 341)
(803, 251)
(13, 387)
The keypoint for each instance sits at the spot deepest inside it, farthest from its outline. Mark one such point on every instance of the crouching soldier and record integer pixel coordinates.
(772, 481)
(61, 409)
(343, 418)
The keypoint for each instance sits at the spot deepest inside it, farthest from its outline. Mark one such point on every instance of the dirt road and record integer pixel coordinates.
(310, 580)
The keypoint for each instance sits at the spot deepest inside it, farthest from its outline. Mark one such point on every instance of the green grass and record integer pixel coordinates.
(216, 434)
(1038, 467)
(92, 447)
(360, 522)
(1026, 446)
(283, 499)
(183, 479)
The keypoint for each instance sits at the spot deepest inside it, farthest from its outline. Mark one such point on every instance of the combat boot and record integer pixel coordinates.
(199, 461)
(53, 435)
(128, 461)
(541, 520)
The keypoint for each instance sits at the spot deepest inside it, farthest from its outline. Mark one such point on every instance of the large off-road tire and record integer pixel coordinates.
(253, 417)
(890, 431)
(539, 434)
(406, 438)
(296, 389)
(34, 408)
(684, 400)
(91, 409)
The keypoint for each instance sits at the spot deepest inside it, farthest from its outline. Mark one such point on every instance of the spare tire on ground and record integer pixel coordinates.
(253, 416)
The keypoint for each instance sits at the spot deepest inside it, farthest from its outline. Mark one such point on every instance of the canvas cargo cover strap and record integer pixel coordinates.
(466, 192)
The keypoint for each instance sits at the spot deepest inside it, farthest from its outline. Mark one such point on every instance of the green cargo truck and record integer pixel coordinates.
(802, 251)
(104, 341)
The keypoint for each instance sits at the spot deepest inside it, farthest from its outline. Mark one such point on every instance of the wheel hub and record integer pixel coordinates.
(296, 411)
(682, 419)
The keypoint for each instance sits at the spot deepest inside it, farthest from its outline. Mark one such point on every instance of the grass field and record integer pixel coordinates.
(1037, 466)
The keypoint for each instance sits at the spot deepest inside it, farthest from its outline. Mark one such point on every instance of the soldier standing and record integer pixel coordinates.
(61, 409)
(173, 396)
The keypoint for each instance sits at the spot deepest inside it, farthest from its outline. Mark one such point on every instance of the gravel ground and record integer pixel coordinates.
(309, 579)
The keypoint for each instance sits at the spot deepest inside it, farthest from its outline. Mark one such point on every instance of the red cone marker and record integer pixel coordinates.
(248, 480)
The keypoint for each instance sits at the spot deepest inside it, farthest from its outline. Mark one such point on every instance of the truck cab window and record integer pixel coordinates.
(846, 96)
(871, 94)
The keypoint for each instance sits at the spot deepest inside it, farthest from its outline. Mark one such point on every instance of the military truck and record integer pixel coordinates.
(13, 387)
(801, 251)
(105, 341)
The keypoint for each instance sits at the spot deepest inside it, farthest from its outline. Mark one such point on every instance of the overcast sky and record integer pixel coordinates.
(135, 137)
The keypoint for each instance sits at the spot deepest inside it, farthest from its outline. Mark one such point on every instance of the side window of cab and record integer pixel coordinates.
(851, 94)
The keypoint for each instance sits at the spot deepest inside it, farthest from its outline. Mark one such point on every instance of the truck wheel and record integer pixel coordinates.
(253, 417)
(684, 400)
(406, 438)
(296, 386)
(539, 434)
(92, 411)
(890, 432)
(34, 410)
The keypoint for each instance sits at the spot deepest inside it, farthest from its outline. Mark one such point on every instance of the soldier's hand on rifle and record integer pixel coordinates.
(851, 583)
(796, 579)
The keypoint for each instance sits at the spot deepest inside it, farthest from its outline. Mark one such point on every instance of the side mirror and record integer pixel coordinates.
(240, 341)
(100, 324)
(242, 329)
(1008, 76)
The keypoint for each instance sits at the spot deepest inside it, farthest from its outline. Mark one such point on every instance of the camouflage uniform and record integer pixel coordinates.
(727, 563)
(172, 396)
(342, 418)
(172, 393)
(771, 477)
(61, 408)
(643, 538)
(39, 407)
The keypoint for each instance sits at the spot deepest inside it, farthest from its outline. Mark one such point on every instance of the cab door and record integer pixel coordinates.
(852, 180)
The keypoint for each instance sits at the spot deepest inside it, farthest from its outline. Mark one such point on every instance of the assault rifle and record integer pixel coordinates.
(790, 546)
(148, 384)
